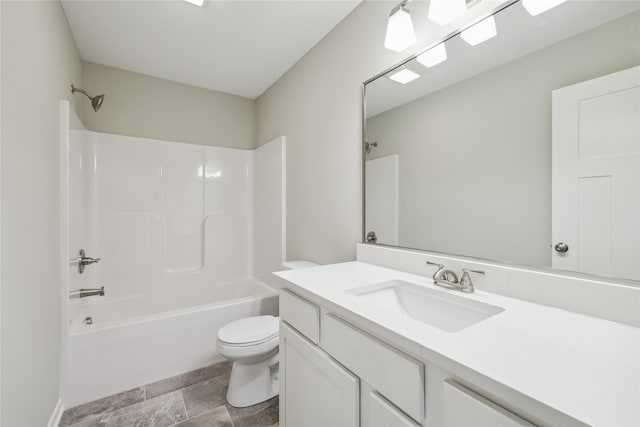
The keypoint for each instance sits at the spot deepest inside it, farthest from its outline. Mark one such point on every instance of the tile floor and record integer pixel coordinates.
(194, 399)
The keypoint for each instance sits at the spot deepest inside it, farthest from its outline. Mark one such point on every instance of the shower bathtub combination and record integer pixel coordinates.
(187, 237)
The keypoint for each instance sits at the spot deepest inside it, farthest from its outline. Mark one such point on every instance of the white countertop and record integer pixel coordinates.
(584, 367)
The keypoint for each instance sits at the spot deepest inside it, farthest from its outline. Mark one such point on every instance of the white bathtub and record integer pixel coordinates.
(137, 340)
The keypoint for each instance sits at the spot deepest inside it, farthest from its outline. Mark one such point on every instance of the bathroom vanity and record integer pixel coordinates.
(356, 349)
(477, 163)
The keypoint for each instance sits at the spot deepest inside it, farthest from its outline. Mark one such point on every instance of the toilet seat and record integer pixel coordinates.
(251, 331)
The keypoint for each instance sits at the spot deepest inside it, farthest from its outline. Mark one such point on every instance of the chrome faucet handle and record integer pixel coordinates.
(440, 266)
(83, 260)
(466, 285)
(439, 271)
(443, 276)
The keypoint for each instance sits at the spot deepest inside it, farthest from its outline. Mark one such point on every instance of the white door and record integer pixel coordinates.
(596, 176)
(315, 391)
(381, 199)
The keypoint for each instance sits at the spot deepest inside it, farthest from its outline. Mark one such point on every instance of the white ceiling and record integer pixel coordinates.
(239, 47)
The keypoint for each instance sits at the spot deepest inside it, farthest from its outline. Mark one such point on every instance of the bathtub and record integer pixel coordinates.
(136, 340)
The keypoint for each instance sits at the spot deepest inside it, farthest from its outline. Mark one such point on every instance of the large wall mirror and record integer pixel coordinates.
(524, 148)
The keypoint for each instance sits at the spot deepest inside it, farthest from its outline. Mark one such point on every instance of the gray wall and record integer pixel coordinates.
(148, 107)
(317, 105)
(39, 62)
(475, 158)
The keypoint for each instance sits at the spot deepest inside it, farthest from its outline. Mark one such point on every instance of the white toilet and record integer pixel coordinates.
(252, 344)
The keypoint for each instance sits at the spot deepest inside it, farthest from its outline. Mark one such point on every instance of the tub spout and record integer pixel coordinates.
(81, 293)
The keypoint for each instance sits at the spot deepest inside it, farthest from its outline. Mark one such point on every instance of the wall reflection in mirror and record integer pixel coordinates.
(522, 148)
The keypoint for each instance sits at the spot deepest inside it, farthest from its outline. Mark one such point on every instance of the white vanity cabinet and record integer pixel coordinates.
(395, 375)
(330, 368)
(315, 390)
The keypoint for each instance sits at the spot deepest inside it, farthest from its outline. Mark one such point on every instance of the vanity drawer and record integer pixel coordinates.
(463, 407)
(301, 314)
(398, 377)
(383, 414)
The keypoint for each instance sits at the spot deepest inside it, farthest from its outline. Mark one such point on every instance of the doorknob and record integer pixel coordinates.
(371, 237)
(561, 247)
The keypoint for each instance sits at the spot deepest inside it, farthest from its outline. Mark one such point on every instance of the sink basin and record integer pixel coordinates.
(450, 313)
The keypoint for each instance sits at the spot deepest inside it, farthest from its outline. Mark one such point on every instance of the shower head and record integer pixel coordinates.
(96, 101)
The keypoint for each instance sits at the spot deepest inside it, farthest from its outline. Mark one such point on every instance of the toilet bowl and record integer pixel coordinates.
(252, 344)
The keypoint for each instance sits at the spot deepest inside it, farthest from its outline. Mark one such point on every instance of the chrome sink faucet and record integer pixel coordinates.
(448, 279)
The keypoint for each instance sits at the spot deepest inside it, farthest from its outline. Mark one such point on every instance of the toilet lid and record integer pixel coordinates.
(249, 330)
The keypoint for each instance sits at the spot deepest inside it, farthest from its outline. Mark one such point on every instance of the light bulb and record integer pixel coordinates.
(400, 34)
(480, 32)
(433, 56)
(445, 11)
(536, 7)
(404, 76)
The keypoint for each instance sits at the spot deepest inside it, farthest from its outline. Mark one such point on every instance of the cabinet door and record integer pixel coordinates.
(384, 414)
(463, 408)
(315, 391)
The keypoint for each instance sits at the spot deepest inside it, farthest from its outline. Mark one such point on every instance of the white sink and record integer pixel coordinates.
(441, 309)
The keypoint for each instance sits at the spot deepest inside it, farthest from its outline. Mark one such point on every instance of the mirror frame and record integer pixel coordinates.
(499, 263)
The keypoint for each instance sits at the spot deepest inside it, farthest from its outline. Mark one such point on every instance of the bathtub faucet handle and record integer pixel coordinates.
(83, 260)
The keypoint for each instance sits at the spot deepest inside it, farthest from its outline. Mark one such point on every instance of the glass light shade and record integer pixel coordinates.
(536, 7)
(445, 11)
(404, 76)
(196, 2)
(400, 34)
(480, 32)
(433, 56)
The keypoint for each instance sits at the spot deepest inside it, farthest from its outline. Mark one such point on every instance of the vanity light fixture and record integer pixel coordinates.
(196, 2)
(536, 7)
(400, 34)
(433, 56)
(445, 11)
(480, 32)
(404, 76)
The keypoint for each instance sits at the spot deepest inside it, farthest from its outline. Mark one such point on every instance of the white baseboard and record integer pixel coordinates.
(54, 420)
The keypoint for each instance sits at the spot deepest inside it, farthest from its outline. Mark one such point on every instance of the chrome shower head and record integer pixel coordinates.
(96, 101)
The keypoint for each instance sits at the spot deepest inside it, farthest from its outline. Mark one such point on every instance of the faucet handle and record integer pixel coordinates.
(466, 270)
(440, 266)
(466, 285)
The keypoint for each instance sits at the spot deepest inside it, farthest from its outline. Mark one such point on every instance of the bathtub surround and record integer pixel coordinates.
(164, 214)
(189, 400)
(173, 224)
(39, 61)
